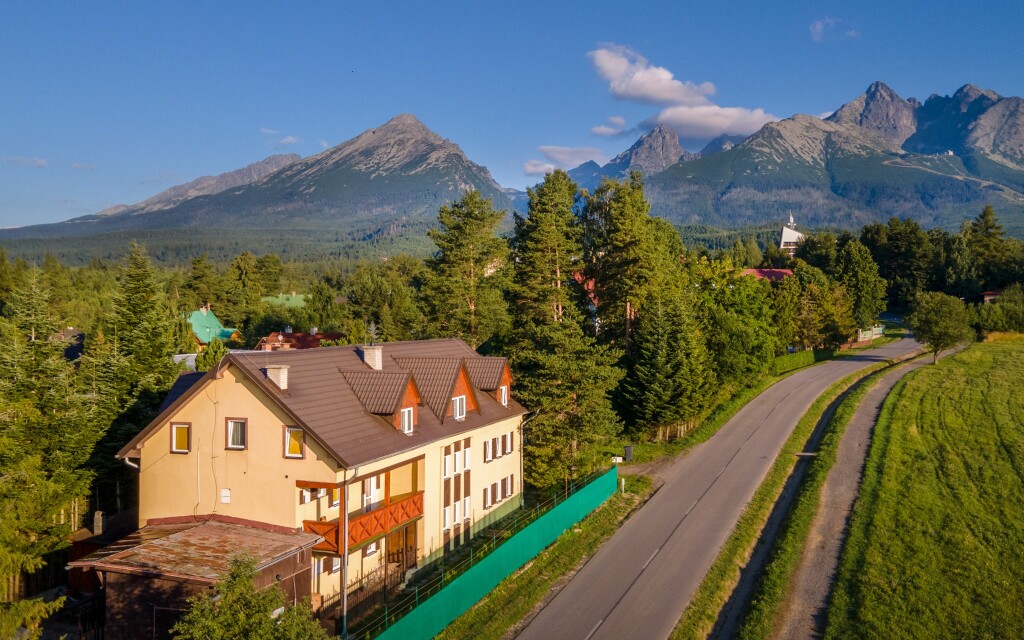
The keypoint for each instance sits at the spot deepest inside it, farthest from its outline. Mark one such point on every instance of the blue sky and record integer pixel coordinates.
(112, 103)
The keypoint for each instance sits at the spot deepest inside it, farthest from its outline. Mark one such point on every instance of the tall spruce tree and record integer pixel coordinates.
(465, 280)
(857, 271)
(561, 373)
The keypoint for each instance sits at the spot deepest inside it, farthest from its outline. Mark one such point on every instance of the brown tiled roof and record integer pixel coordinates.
(194, 550)
(435, 378)
(378, 391)
(485, 373)
(298, 340)
(321, 397)
(774, 275)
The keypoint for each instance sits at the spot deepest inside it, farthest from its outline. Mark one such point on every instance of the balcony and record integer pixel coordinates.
(367, 525)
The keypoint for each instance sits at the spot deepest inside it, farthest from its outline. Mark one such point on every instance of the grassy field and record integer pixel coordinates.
(518, 594)
(935, 541)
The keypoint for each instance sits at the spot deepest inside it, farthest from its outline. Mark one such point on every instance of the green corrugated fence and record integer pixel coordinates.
(437, 612)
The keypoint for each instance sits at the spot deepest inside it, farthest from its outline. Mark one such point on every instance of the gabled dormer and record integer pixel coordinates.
(392, 395)
(463, 397)
(493, 376)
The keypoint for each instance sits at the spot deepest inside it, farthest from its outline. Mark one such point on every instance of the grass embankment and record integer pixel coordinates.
(935, 539)
(699, 618)
(773, 585)
(518, 594)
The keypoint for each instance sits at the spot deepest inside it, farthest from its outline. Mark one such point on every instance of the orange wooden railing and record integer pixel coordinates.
(367, 525)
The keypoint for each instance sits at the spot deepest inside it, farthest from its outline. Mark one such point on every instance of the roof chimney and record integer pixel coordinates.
(373, 355)
(278, 374)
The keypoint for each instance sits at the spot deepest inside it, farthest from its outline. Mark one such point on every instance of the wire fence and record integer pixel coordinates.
(434, 577)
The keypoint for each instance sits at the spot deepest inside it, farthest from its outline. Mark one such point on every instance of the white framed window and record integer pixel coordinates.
(508, 442)
(459, 407)
(236, 433)
(335, 497)
(447, 518)
(318, 564)
(465, 508)
(371, 548)
(498, 449)
(335, 564)
(371, 493)
(487, 497)
(487, 450)
(458, 461)
(503, 393)
(407, 420)
(448, 466)
(181, 437)
(294, 442)
(511, 484)
(458, 508)
(465, 458)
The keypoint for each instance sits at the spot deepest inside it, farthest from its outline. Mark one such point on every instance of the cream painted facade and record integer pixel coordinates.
(259, 483)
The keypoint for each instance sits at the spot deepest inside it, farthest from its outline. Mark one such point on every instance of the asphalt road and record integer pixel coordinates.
(639, 583)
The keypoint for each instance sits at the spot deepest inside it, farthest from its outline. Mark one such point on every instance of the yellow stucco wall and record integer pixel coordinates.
(261, 480)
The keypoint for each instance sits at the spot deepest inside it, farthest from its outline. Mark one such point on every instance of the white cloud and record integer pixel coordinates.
(324, 144)
(82, 166)
(23, 161)
(537, 168)
(569, 157)
(605, 131)
(688, 107)
(631, 77)
(825, 29)
(287, 140)
(267, 131)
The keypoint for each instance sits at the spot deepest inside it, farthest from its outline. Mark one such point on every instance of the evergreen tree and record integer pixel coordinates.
(819, 250)
(201, 285)
(857, 271)
(211, 356)
(989, 249)
(786, 304)
(464, 283)
(268, 272)
(561, 374)
(240, 610)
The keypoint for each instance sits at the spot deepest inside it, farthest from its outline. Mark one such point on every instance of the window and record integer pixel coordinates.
(465, 458)
(508, 442)
(487, 497)
(335, 497)
(487, 450)
(371, 548)
(497, 447)
(459, 407)
(511, 483)
(335, 564)
(447, 518)
(504, 395)
(465, 507)
(318, 564)
(504, 488)
(458, 461)
(371, 493)
(448, 465)
(181, 438)
(236, 433)
(495, 496)
(407, 419)
(458, 506)
(293, 442)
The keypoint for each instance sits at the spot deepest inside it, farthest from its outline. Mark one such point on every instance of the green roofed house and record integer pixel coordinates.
(206, 327)
(289, 300)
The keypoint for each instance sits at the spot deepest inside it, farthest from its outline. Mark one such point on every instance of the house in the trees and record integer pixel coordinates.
(288, 339)
(206, 327)
(382, 455)
(771, 275)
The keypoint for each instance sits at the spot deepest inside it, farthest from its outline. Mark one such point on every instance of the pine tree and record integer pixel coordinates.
(561, 373)
(465, 280)
(857, 271)
(211, 356)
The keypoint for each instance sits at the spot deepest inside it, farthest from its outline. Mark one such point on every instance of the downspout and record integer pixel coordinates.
(522, 456)
(344, 570)
(131, 464)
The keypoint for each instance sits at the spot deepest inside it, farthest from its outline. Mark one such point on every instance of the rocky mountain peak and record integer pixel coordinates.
(968, 94)
(655, 151)
(881, 110)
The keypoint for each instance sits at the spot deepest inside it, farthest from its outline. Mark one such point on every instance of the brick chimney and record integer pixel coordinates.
(278, 374)
(373, 355)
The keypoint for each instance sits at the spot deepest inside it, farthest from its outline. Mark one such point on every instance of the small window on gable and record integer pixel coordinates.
(181, 438)
(504, 395)
(459, 407)
(236, 435)
(294, 441)
(407, 420)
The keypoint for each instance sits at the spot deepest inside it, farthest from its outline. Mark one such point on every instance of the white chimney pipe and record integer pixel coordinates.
(373, 356)
(278, 374)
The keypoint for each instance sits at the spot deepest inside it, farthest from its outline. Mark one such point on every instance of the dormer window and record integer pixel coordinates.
(503, 395)
(459, 407)
(407, 420)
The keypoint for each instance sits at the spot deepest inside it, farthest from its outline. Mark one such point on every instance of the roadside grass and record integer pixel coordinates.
(774, 583)
(935, 539)
(518, 595)
(699, 618)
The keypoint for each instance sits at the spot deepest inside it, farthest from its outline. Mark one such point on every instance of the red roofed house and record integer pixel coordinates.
(288, 339)
(381, 455)
(773, 275)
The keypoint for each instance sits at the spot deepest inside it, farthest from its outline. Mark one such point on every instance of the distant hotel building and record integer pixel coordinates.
(790, 237)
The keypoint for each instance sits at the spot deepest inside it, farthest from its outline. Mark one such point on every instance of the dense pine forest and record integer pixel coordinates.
(617, 330)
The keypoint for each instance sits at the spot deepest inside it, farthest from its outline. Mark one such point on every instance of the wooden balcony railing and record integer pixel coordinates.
(366, 525)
